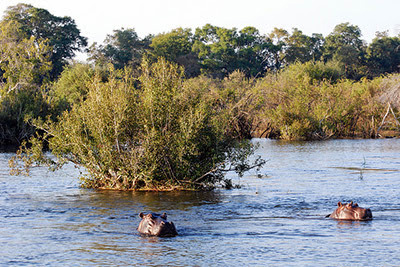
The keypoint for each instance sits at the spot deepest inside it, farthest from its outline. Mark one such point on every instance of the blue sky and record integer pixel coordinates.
(97, 18)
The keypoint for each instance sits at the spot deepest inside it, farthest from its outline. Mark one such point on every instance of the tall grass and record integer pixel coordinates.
(310, 101)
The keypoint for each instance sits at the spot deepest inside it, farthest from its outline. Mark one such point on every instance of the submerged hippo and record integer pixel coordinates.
(351, 212)
(156, 225)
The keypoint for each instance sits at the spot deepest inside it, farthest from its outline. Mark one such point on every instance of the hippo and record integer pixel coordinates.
(154, 224)
(351, 212)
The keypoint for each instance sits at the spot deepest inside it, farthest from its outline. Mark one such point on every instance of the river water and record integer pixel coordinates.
(277, 217)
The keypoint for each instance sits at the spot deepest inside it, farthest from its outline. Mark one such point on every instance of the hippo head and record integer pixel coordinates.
(156, 225)
(352, 212)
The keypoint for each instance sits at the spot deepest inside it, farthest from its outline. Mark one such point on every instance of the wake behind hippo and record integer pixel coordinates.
(351, 212)
(155, 224)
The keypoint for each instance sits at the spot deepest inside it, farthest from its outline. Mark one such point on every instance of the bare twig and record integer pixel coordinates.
(388, 111)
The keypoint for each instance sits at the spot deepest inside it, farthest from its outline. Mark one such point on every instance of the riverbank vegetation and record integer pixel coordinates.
(176, 110)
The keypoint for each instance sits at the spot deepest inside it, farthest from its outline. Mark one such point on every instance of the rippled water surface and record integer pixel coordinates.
(277, 218)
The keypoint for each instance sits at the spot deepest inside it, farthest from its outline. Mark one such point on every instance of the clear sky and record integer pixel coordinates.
(97, 18)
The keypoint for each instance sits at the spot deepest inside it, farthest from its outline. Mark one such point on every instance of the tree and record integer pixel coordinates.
(278, 40)
(61, 33)
(123, 48)
(344, 34)
(344, 45)
(252, 52)
(25, 66)
(222, 51)
(215, 47)
(171, 45)
(383, 55)
(303, 48)
(25, 62)
(176, 46)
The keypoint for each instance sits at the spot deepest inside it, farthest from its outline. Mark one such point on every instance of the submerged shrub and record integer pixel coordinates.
(164, 134)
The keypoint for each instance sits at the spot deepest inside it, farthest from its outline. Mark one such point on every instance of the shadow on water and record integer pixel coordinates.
(153, 201)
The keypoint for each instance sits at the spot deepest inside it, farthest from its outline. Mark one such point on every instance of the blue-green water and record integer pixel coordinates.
(276, 220)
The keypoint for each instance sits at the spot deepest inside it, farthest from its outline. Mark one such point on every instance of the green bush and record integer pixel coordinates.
(303, 103)
(71, 87)
(314, 72)
(164, 134)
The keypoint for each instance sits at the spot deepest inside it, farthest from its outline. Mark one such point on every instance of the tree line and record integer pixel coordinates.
(217, 51)
(210, 50)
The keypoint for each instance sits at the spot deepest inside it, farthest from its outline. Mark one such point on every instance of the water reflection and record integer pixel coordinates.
(343, 224)
(154, 201)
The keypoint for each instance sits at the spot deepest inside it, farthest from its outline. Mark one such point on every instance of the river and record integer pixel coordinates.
(277, 217)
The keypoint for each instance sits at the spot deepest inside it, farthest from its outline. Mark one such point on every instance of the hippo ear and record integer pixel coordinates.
(339, 204)
(141, 215)
(356, 205)
(164, 216)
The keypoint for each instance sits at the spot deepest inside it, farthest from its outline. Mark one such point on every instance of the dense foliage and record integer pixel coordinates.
(165, 134)
(61, 33)
(123, 48)
(34, 48)
(217, 51)
(308, 102)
